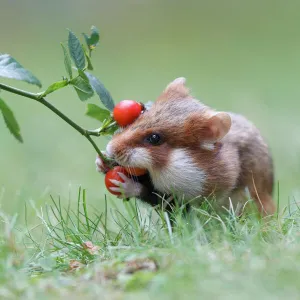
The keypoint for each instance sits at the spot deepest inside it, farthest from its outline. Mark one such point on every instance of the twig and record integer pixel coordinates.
(38, 98)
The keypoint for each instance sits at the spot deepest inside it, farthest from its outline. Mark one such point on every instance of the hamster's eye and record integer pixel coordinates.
(154, 139)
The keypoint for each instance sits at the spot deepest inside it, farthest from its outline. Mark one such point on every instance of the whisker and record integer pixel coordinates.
(132, 176)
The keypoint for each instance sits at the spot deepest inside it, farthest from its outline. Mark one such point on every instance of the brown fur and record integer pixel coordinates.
(239, 159)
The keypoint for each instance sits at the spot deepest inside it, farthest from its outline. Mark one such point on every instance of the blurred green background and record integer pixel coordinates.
(241, 56)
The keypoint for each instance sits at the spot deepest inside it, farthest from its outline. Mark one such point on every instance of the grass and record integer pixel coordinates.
(132, 252)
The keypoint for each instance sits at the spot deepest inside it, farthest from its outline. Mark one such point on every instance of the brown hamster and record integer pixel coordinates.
(192, 151)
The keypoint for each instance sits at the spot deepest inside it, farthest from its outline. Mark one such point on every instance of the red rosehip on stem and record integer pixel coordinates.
(126, 112)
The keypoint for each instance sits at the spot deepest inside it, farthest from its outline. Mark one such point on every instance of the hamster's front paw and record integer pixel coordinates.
(129, 188)
(100, 165)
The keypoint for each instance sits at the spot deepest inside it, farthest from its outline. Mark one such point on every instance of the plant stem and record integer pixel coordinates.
(61, 115)
(108, 127)
(18, 91)
(43, 101)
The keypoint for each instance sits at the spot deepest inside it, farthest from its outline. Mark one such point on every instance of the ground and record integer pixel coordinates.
(131, 252)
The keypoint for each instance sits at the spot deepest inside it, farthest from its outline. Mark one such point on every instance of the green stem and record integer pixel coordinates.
(96, 148)
(43, 101)
(18, 91)
(108, 127)
(95, 132)
(61, 115)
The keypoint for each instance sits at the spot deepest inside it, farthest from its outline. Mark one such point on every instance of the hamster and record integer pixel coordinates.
(193, 152)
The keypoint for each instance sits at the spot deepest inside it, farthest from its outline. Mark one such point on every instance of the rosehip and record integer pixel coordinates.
(126, 112)
(135, 171)
(113, 174)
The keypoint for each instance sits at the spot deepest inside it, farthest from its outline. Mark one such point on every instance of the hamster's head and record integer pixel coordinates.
(175, 121)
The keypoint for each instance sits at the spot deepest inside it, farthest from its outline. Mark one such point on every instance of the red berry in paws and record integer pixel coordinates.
(113, 174)
(135, 171)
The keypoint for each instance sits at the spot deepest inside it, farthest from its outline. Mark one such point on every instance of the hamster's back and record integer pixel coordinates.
(256, 170)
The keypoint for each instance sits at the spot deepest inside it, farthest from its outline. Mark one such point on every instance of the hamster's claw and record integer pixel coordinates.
(129, 188)
(116, 182)
(100, 165)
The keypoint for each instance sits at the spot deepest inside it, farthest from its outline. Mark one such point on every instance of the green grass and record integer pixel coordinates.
(132, 252)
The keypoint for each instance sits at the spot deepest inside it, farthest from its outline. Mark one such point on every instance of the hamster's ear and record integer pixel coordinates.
(218, 126)
(211, 128)
(175, 90)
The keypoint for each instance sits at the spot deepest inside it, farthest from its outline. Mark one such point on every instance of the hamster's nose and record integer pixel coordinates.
(109, 150)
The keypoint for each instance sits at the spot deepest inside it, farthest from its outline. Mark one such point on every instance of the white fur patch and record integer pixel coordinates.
(140, 157)
(109, 150)
(135, 157)
(181, 177)
(207, 146)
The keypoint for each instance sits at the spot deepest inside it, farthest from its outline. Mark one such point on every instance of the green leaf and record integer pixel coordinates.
(55, 86)
(82, 87)
(96, 112)
(102, 92)
(109, 127)
(67, 61)
(111, 130)
(76, 51)
(10, 68)
(82, 95)
(10, 121)
(92, 40)
(89, 62)
(83, 76)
